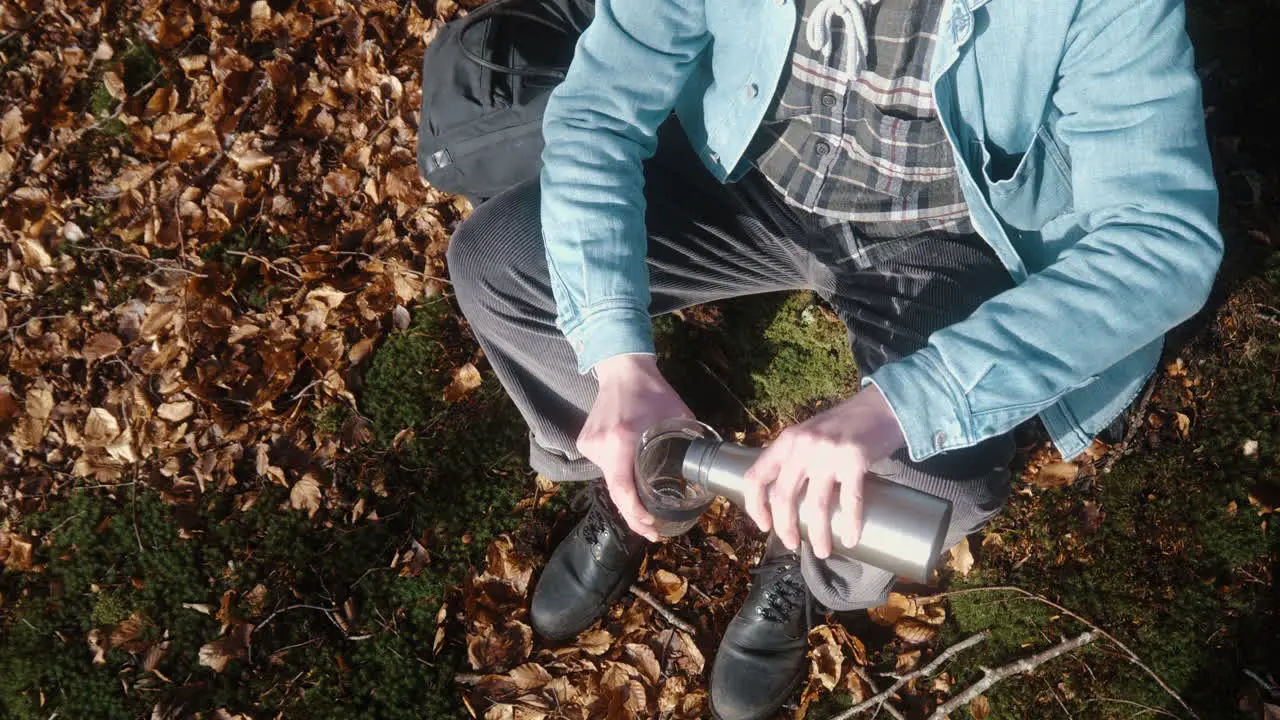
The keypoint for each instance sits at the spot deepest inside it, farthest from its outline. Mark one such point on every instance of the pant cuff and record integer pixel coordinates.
(557, 468)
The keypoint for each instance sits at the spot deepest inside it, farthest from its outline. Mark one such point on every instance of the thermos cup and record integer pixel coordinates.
(682, 465)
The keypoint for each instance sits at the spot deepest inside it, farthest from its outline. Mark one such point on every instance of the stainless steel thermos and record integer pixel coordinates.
(683, 465)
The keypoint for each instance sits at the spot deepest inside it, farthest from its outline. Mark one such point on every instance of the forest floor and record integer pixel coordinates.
(255, 466)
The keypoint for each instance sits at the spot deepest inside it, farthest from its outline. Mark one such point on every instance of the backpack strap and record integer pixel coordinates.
(499, 11)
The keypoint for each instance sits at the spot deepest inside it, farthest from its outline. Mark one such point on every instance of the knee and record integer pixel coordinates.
(484, 247)
(470, 258)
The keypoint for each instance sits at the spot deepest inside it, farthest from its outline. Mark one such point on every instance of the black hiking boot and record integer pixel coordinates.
(593, 566)
(763, 654)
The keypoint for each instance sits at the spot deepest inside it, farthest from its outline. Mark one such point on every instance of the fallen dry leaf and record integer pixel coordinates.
(231, 646)
(594, 642)
(889, 613)
(961, 558)
(906, 661)
(980, 708)
(916, 632)
(501, 647)
(826, 657)
(644, 660)
(465, 379)
(305, 494)
(721, 546)
(100, 428)
(1183, 424)
(176, 411)
(1056, 475)
(671, 587)
(100, 345)
(15, 552)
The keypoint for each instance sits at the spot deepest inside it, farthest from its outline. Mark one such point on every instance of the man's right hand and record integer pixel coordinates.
(633, 396)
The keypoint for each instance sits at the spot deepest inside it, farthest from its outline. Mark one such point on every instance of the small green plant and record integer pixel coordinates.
(330, 418)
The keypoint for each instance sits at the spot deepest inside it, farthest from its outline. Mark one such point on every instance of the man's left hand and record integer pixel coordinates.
(828, 451)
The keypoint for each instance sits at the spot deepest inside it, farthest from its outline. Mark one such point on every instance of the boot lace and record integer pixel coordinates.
(784, 592)
(597, 520)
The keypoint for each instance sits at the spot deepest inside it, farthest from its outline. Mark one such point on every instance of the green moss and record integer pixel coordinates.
(407, 377)
(109, 609)
(794, 357)
(330, 418)
(1167, 571)
(101, 103)
(777, 355)
(141, 66)
(453, 488)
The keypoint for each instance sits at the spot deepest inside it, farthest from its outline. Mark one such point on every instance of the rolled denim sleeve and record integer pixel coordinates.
(1146, 202)
(600, 126)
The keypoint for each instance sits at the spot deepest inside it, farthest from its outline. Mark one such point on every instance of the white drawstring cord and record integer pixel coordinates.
(818, 30)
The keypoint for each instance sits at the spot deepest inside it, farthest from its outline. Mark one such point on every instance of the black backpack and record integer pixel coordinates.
(485, 82)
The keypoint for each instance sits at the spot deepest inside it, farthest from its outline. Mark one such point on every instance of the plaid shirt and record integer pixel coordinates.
(852, 135)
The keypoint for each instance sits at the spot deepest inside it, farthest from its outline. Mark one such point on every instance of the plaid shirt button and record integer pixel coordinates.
(822, 148)
(828, 99)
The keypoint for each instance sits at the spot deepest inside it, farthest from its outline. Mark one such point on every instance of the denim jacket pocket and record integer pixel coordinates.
(1039, 188)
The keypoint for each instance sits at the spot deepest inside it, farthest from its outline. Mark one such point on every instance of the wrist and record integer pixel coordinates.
(886, 434)
(628, 365)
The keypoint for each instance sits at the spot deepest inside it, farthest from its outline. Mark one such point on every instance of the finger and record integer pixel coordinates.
(817, 510)
(851, 493)
(618, 467)
(758, 479)
(784, 500)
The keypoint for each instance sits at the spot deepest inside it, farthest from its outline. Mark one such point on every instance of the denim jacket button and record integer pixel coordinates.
(939, 440)
(752, 90)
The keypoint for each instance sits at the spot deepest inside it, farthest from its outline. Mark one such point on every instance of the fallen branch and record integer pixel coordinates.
(1027, 664)
(1130, 655)
(866, 678)
(662, 610)
(901, 680)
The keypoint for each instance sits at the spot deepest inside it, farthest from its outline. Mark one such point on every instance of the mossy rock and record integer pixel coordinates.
(775, 358)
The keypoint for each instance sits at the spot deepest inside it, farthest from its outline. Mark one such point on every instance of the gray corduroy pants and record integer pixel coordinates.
(709, 241)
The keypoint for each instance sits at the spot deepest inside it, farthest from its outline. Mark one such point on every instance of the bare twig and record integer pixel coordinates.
(666, 614)
(286, 648)
(58, 527)
(991, 677)
(1054, 693)
(1144, 708)
(1139, 418)
(866, 678)
(1130, 655)
(733, 395)
(901, 680)
(137, 535)
(143, 258)
(269, 263)
(1270, 685)
(273, 615)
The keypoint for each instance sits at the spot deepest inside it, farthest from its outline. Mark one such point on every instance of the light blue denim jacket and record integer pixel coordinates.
(1078, 130)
